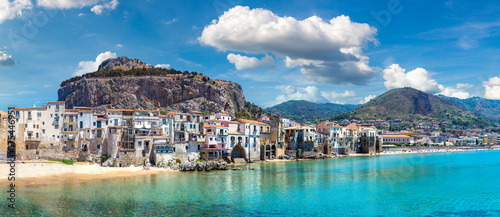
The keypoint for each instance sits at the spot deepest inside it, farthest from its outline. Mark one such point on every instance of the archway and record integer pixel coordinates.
(273, 150)
(238, 152)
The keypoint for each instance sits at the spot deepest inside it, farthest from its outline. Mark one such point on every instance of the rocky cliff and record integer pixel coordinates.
(152, 88)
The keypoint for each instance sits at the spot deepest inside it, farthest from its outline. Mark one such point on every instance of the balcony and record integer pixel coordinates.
(32, 139)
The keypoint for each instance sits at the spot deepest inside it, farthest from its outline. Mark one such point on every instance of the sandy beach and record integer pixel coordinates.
(47, 172)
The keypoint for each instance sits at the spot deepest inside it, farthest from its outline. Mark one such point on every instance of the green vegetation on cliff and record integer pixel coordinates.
(110, 72)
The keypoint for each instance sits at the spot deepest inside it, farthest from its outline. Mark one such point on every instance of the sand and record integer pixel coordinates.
(34, 173)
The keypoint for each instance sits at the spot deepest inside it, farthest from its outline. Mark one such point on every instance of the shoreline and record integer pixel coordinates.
(46, 172)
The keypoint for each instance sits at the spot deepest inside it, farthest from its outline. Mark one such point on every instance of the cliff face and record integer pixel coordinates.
(174, 92)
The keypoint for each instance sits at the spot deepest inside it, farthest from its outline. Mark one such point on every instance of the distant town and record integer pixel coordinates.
(131, 137)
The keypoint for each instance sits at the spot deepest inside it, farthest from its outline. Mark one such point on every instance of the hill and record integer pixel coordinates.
(141, 86)
(412, 104)
(486, 108)
(304, 111)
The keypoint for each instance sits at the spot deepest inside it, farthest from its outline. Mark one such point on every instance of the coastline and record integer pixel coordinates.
(47, 172)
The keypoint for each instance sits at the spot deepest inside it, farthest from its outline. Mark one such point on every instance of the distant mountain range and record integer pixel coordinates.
(409, 103)
(486, 108)
(403, 103)
(304, 111)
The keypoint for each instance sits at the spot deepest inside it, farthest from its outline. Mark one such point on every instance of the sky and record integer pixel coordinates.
(343, 52)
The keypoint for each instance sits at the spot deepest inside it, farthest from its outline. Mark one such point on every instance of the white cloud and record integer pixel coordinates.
(309, 93)
(12, 9)
(165, 66)
(98, 6)
(119, 45)
(334, 96)
(171, 21)
(91, 66)
(367, 99)
(98, 9)
(492, 88)
(464, 86)
(66, 4)
(81, 14)
(47, 85)
(329, 52)
(246, 63)
(420, 79)
(452, 92)
(5, 59)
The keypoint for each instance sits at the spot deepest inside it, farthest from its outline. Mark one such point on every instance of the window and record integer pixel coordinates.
(39, 114)
(50, 115)
(17, 114)
(94, 123)
(98, 146)
(199, 147)
(43, 131)
(186, 147)
(81, 124)
(139, 144)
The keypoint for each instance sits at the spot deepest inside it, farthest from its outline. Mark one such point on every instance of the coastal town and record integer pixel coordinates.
(124, 137)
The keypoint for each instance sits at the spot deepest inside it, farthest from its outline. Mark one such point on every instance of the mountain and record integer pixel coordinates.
(124, 83)
(487, 108)
(304, 111)
(412, 104)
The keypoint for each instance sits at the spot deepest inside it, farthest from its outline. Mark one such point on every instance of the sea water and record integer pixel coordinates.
(432, 184)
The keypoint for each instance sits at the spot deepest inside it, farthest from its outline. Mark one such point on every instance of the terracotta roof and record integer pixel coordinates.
(393, 136)
(56, 102)
(232, 122)
(28, 108)
(177, 113)
(234, 133)
(70, 113)
(197, 112)
(102, 119)
(248, 121)
(160, 137)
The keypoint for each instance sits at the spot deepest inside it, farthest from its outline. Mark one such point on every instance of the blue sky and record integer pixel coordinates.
(335, 51)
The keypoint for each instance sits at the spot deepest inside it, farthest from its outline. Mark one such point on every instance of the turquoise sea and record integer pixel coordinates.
(439, 184)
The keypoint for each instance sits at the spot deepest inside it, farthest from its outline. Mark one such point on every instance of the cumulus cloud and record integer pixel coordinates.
(334, 97)
(91, 66)
(329, 52)
(492, 88)
(165, 66)
(246, 63)
(12, 9)
(420, 79)
(464, 86)
(98, 6)
(6, 60)
(367, 99)
(309, 93)
(98, 9)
